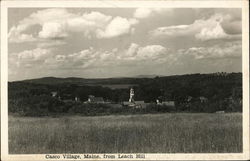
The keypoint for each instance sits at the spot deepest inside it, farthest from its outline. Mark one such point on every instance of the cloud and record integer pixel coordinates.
(34, 55)
(47, 15)
(88, 23)
(44, 18)
(231, 23)
(152, 52)
(29, 58)
(180, 30)
(81, 59)
(202, 29)
(149, 52)
(60, 58)
(134, 54)
(53, 30)
(132, 50)
(226, 50)
(134, 58)
(50, 43)
(16, 36)
(118, 26)
(215, 32)
(60, 23)
(92, 58)
(141, 13)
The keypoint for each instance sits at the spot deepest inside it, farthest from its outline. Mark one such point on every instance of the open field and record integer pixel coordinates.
(154, 133)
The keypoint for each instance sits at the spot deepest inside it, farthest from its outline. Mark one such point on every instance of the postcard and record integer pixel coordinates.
(124, 80)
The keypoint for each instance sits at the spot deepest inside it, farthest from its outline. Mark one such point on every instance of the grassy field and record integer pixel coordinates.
(154, 133)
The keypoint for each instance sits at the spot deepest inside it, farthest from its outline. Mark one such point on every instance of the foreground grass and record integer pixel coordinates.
(158, 133)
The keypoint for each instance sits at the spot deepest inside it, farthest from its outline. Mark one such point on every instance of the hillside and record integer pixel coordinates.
(125, 80)
(222, 91)
(80, 81)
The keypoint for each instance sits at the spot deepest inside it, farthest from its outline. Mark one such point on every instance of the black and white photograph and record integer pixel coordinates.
(122, 82)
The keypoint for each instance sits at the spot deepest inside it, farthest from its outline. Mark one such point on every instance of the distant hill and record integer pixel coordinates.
(82, 81)
(148, 80)
(148, 76)
(54, 80)
(221, 92)
(91, 81)
(121, 80)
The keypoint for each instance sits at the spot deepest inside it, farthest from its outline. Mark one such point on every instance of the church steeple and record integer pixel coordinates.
(132, 94)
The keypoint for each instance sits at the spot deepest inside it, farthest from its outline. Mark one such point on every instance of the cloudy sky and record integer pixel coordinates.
(117, 42)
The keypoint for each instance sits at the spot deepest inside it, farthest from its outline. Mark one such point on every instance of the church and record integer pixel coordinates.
(132, 102)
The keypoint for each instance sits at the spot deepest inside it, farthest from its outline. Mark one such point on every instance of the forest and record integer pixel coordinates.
(222, 91)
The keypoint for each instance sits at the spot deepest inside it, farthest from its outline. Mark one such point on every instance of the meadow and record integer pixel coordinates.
(149, 133)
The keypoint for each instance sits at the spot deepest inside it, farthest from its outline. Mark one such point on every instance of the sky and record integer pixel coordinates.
(122, 42)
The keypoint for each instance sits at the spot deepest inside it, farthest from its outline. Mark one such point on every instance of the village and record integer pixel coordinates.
(132, 102)
(188, 93)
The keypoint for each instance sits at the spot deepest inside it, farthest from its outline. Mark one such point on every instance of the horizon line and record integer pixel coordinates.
(135, 76)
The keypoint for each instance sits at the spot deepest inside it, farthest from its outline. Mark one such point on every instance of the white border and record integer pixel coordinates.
(131, 4)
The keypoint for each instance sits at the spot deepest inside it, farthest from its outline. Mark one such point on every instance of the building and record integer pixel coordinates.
(140, 104)
(77, 99)
(189, 98)
(131, 95)
(54, 94)
(127, 103)
(203, 99)
(220, 112)
(166, 103)
(93, 99)
(132, 102)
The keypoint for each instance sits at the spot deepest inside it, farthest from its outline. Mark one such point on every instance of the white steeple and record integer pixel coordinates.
(132, 94)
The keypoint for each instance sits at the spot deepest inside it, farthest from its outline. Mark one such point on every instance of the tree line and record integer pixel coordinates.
(222, 93)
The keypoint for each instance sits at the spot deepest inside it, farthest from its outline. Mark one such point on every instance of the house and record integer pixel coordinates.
(168, 103)
(54, 94)
(189, 98)
(127, 103)
(165, 102)
(200, 99)
(140, 104)
(203, 99)
(93, 99)
(220, 112)
(135, 104)
(77, 99)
